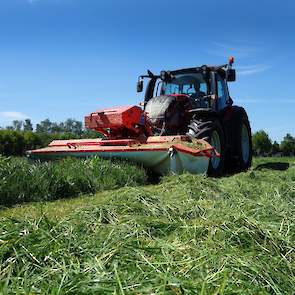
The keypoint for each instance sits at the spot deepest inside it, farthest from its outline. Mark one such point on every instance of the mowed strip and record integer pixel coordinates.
(188, 234)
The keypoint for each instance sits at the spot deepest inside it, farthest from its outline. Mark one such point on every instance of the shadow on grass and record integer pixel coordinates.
(282, 166)
(152, 177)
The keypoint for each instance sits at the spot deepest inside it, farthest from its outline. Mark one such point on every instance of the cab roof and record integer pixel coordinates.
(204, 68)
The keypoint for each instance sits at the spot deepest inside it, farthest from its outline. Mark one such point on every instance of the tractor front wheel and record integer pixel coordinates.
(211, 131)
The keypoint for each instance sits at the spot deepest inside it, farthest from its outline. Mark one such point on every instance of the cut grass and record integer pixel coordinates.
(187, 235)
(22, 180)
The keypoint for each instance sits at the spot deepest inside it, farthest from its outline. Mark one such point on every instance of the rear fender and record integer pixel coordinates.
(203, 113)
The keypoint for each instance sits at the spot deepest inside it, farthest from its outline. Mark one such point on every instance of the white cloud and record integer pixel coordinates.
(49, 1)
(237, 50)
(241, 52)
(12, 115)
(252, 69)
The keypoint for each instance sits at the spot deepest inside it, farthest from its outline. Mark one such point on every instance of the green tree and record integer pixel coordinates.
(27, 125)
(275, 148)
(17, 125)
(73, 126)
(44, 126)
(57, 128)
(288, 145)
(261, 143)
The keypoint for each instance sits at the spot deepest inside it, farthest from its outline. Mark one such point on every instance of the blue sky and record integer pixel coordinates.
(65, 58)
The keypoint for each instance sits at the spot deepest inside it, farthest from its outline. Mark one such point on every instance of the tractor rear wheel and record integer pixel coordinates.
(242, 140)
(211, 131)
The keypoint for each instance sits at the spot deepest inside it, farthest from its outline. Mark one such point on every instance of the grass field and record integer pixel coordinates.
(186, 235)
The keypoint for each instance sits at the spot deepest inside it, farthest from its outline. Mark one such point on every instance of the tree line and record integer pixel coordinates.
(46, 126)
(264, 146)
(21, 136)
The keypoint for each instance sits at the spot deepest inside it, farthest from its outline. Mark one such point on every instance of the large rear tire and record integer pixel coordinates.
(242, 142)
(211, 131)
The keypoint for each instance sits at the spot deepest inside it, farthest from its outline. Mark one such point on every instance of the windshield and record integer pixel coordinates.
(190, 84)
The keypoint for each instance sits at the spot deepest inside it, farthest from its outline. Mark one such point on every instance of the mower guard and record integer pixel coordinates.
(162, 154)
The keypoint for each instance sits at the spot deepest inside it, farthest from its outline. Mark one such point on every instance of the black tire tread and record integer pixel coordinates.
(237, 163)
(202, 129)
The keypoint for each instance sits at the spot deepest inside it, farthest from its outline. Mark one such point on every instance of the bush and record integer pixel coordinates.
(15, 143)
(23, 181)
(11, 142)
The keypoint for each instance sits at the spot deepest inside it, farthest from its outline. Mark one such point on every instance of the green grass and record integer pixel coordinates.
(23, 180)
(187, 235)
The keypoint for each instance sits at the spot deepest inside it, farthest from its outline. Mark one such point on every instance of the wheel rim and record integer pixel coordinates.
(245, 144)
(215, 142)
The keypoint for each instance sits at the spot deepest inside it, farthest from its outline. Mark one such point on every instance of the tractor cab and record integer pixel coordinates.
(174, 97)
(204, 87)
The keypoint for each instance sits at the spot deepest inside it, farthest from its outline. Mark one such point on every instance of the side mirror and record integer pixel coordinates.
(139, 86)
(231, 75)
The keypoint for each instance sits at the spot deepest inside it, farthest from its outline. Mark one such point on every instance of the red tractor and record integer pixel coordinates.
(188, 123)
(196, 101)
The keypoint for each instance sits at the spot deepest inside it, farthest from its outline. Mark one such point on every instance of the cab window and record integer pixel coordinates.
(192, 83)
(222, 93)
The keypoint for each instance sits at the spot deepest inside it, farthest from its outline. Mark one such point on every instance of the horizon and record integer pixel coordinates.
(66, 58)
